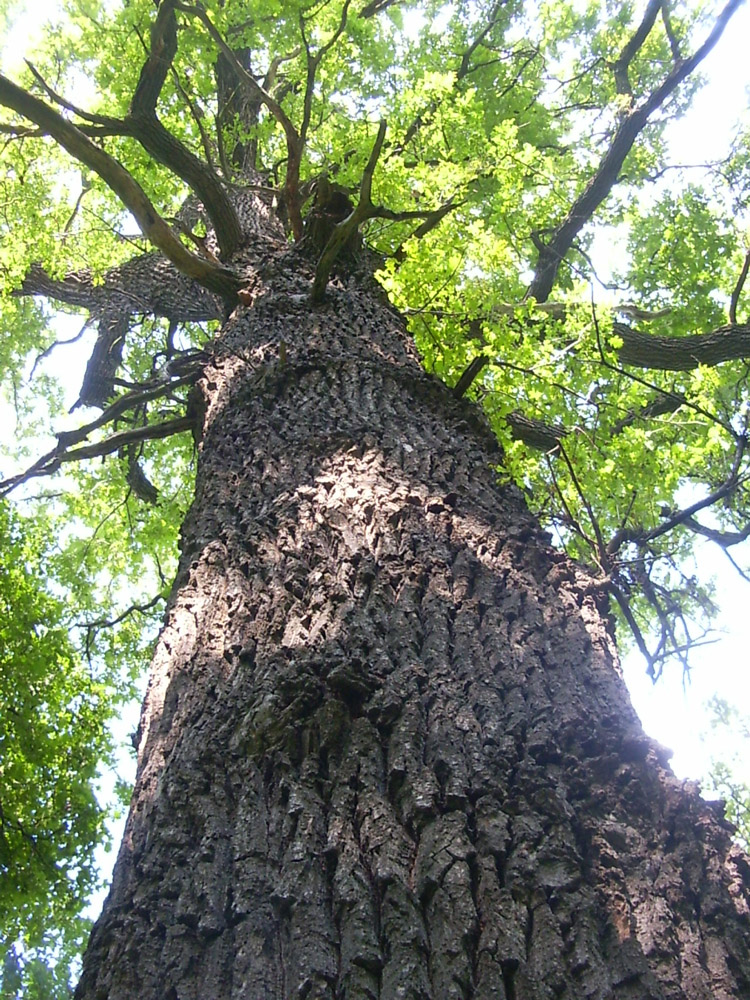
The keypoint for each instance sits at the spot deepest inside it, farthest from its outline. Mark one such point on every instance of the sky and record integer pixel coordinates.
(674, 710)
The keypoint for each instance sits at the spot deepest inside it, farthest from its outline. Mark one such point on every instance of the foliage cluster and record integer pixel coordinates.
(53, 741)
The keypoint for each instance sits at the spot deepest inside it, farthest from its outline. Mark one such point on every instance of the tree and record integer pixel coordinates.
(725, 774)
(386, 750)
(53, 737)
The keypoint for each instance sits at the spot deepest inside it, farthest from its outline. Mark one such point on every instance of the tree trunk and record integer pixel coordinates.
(386, 749)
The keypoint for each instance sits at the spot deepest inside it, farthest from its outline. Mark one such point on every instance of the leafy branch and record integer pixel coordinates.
(219, 279)
(64, 451)
(552, 253)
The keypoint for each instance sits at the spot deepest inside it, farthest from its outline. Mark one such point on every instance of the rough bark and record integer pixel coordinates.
(386, 750)
(682, 354)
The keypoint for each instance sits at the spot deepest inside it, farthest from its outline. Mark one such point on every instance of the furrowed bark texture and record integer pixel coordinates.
(386, 750)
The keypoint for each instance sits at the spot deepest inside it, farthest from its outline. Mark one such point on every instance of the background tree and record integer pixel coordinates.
(725, 776)
(513, 135)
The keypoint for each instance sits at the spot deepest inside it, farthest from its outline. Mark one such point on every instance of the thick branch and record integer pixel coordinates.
(432, 221)
(273, 106)
(128, 401)
(124, 185)
(648, 350)
(147, 283)
(376, 6)
(729, 486)
(293, 140)
(723, 538)
(492, 20)
(666, 402)
(735, 300)
(106, 357)
(167, 148)
(469, 375)
(674, 45)
(116, 441)
(605, 177)
(621, 66)
(156, 68)
(535, 433)
(234, 104)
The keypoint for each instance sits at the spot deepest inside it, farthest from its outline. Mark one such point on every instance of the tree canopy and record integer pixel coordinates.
(490, 154)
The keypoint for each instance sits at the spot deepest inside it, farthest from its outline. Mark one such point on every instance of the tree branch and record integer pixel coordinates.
(376, 6)
(734, 302)
(155, 70)
(293, 140)
(469, 374)
(432, 221)
(621, 65)
(732, 482)
(128, 401)
(535, 433)
(148, 283)
(464, 68)
(313, 61)
(669, 31)
(346, 229)
(665, 402)
(53, 460)
(552, 253)
(131, 194)
(167, 148)
(624, 603)
(114, 125)
(723, 538)
(648, 350)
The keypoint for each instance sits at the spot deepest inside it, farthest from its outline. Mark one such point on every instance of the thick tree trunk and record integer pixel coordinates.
(386, 750)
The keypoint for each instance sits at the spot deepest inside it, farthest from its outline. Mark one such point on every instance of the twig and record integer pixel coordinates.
(629, 617)
(572, 520)
(106, 120)
(111, 622)
(740, 570)
(601, 548)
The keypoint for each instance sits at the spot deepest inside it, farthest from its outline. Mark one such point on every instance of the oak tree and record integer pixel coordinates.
(340, 263)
